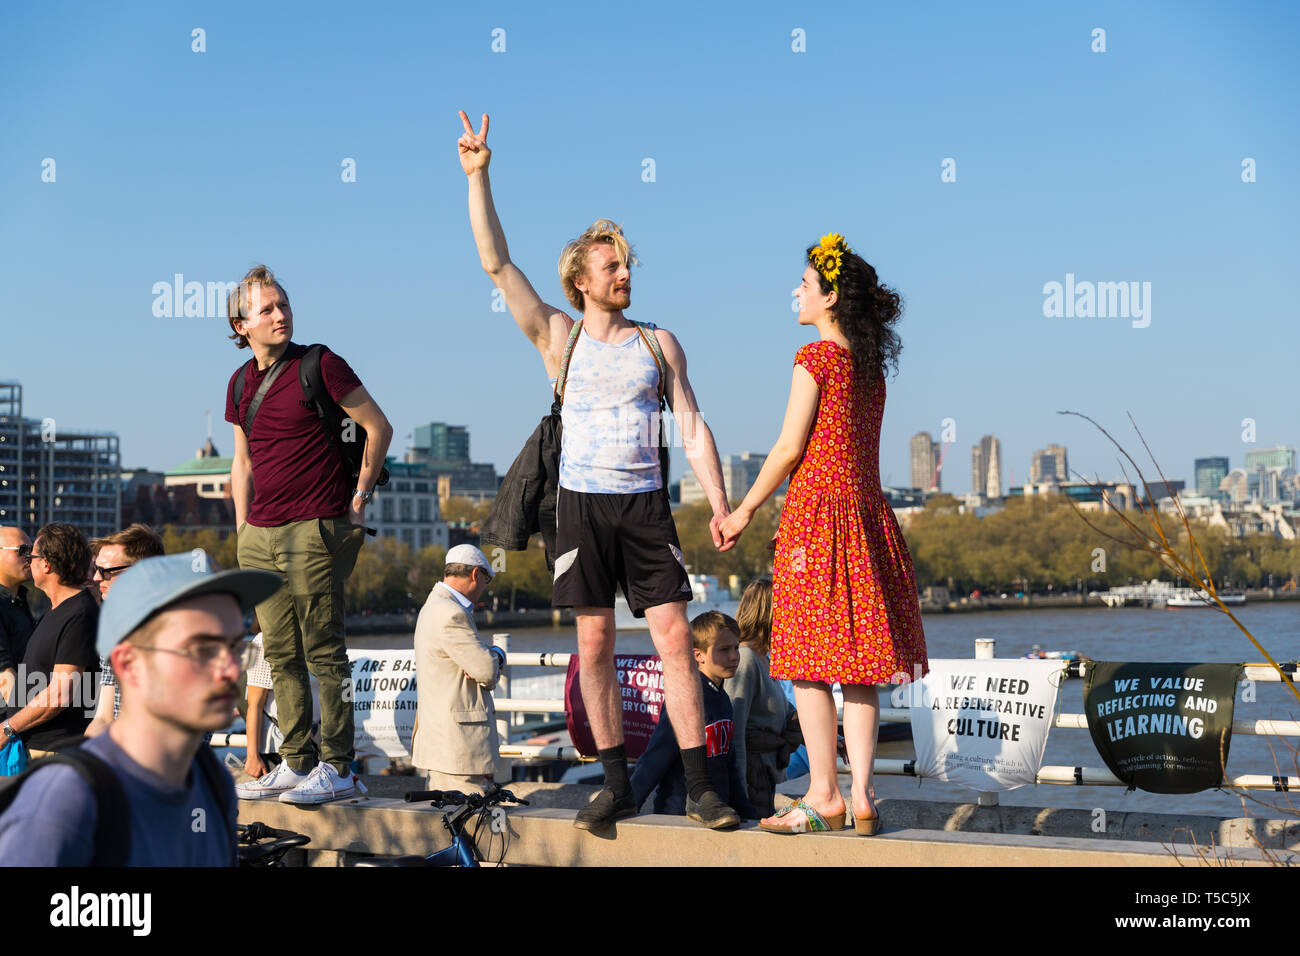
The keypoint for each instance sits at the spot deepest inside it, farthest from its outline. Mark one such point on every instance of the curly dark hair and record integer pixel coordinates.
(865, 312)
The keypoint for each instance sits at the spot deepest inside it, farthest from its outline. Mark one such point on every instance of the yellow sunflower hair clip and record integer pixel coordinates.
(827, 257)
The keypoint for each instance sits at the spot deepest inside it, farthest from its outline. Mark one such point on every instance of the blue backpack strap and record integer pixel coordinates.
(564, 366)
(112, 816)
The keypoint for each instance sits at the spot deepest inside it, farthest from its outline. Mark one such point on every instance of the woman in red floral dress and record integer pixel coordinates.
(844, 601)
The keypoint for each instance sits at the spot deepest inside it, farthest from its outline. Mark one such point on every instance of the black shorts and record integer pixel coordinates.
(628, 540)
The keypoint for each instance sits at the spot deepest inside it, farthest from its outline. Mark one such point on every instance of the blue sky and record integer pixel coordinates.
(1117, 166)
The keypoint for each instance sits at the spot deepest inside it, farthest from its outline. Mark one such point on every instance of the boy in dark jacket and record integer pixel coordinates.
(717, 653)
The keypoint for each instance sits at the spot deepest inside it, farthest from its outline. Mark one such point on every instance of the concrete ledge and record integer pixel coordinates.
(543, 835)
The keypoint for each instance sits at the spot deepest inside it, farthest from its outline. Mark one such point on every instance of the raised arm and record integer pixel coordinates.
(546, 326)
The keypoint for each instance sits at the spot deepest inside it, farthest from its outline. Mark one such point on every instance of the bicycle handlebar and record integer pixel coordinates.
(253, 852)
(256, 832)
(442, 798)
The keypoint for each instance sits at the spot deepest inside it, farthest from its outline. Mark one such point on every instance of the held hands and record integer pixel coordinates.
(474, 153)
(728, 528)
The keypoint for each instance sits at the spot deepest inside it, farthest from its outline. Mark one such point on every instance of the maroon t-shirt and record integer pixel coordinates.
(297, 469)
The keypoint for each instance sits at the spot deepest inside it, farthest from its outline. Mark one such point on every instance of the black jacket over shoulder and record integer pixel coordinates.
(525, 502)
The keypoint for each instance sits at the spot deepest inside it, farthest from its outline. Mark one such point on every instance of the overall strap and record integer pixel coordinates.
(652, 342)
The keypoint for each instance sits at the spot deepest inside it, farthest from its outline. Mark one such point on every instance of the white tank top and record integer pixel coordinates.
(610, 443)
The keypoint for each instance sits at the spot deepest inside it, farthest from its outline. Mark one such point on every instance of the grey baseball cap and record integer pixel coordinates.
(153, 584)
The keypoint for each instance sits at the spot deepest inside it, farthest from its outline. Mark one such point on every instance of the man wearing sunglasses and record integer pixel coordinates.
(16, 621)
(113, 555)
(174, 631)
(52, 702)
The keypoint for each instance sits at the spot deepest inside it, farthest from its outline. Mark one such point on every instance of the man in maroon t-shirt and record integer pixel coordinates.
(299, 514)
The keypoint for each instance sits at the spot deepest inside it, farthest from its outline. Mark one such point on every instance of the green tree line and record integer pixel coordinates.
(1035, 544)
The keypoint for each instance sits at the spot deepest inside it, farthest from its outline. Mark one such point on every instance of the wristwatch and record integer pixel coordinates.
(10, 733)
(365, 496)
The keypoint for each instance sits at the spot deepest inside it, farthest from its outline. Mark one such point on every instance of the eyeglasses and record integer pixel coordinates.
(207, 653)
(107, 573)
(24, 550)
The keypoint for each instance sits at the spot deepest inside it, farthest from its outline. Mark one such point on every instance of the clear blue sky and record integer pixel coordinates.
(1117, 166)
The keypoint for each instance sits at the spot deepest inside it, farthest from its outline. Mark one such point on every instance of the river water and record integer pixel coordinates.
(1118, 634)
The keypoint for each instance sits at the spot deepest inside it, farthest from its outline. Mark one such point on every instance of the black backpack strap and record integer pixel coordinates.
(239, 388)
(113, 818)
(214, 773)
(262, 391)
(313, 390)
(328, 411)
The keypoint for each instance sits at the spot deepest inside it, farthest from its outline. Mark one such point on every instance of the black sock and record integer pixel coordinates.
(614, 760)
(695, 762)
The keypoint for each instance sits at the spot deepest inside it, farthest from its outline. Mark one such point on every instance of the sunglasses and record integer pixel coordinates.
(107, 573)
(24, 550)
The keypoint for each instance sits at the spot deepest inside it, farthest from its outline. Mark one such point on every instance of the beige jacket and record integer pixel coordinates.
(455, 728)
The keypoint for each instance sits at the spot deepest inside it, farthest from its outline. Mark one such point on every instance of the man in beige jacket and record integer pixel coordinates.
(455, 728)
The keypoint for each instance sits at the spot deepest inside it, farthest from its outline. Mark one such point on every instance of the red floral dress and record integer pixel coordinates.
(844, 601)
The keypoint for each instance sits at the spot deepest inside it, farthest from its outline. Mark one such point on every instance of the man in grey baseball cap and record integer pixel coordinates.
(173, 628)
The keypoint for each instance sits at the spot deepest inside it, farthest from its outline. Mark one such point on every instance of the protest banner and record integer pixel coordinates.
(640, 681)
(983, 723)
(1162, 727)
(383, 701)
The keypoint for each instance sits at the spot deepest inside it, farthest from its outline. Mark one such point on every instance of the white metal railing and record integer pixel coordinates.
(984, 648)
(512, 752)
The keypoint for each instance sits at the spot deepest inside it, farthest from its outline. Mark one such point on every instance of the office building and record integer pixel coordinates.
(925, 463)
(986, 467)
(1280, 458)
(49, 472)
(408, 508)
(1155, 490)
(443, 451)
(1049, 464)
(738, 475)
(1210, 473)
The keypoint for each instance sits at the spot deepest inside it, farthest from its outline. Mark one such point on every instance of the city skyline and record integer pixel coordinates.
(407, 448)
(1039, 272)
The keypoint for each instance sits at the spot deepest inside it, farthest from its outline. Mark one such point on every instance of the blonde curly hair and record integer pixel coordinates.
(573, 260)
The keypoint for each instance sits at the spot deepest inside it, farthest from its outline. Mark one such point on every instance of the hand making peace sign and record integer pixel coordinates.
(474, 153)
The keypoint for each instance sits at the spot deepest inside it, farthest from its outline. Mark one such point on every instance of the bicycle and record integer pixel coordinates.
(463, 850)
(254, 853)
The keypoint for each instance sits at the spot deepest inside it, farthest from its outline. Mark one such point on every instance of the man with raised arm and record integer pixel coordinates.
(613, 520)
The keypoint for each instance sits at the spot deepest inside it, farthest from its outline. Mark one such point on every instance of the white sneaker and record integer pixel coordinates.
(280, 780)
(322, 785)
